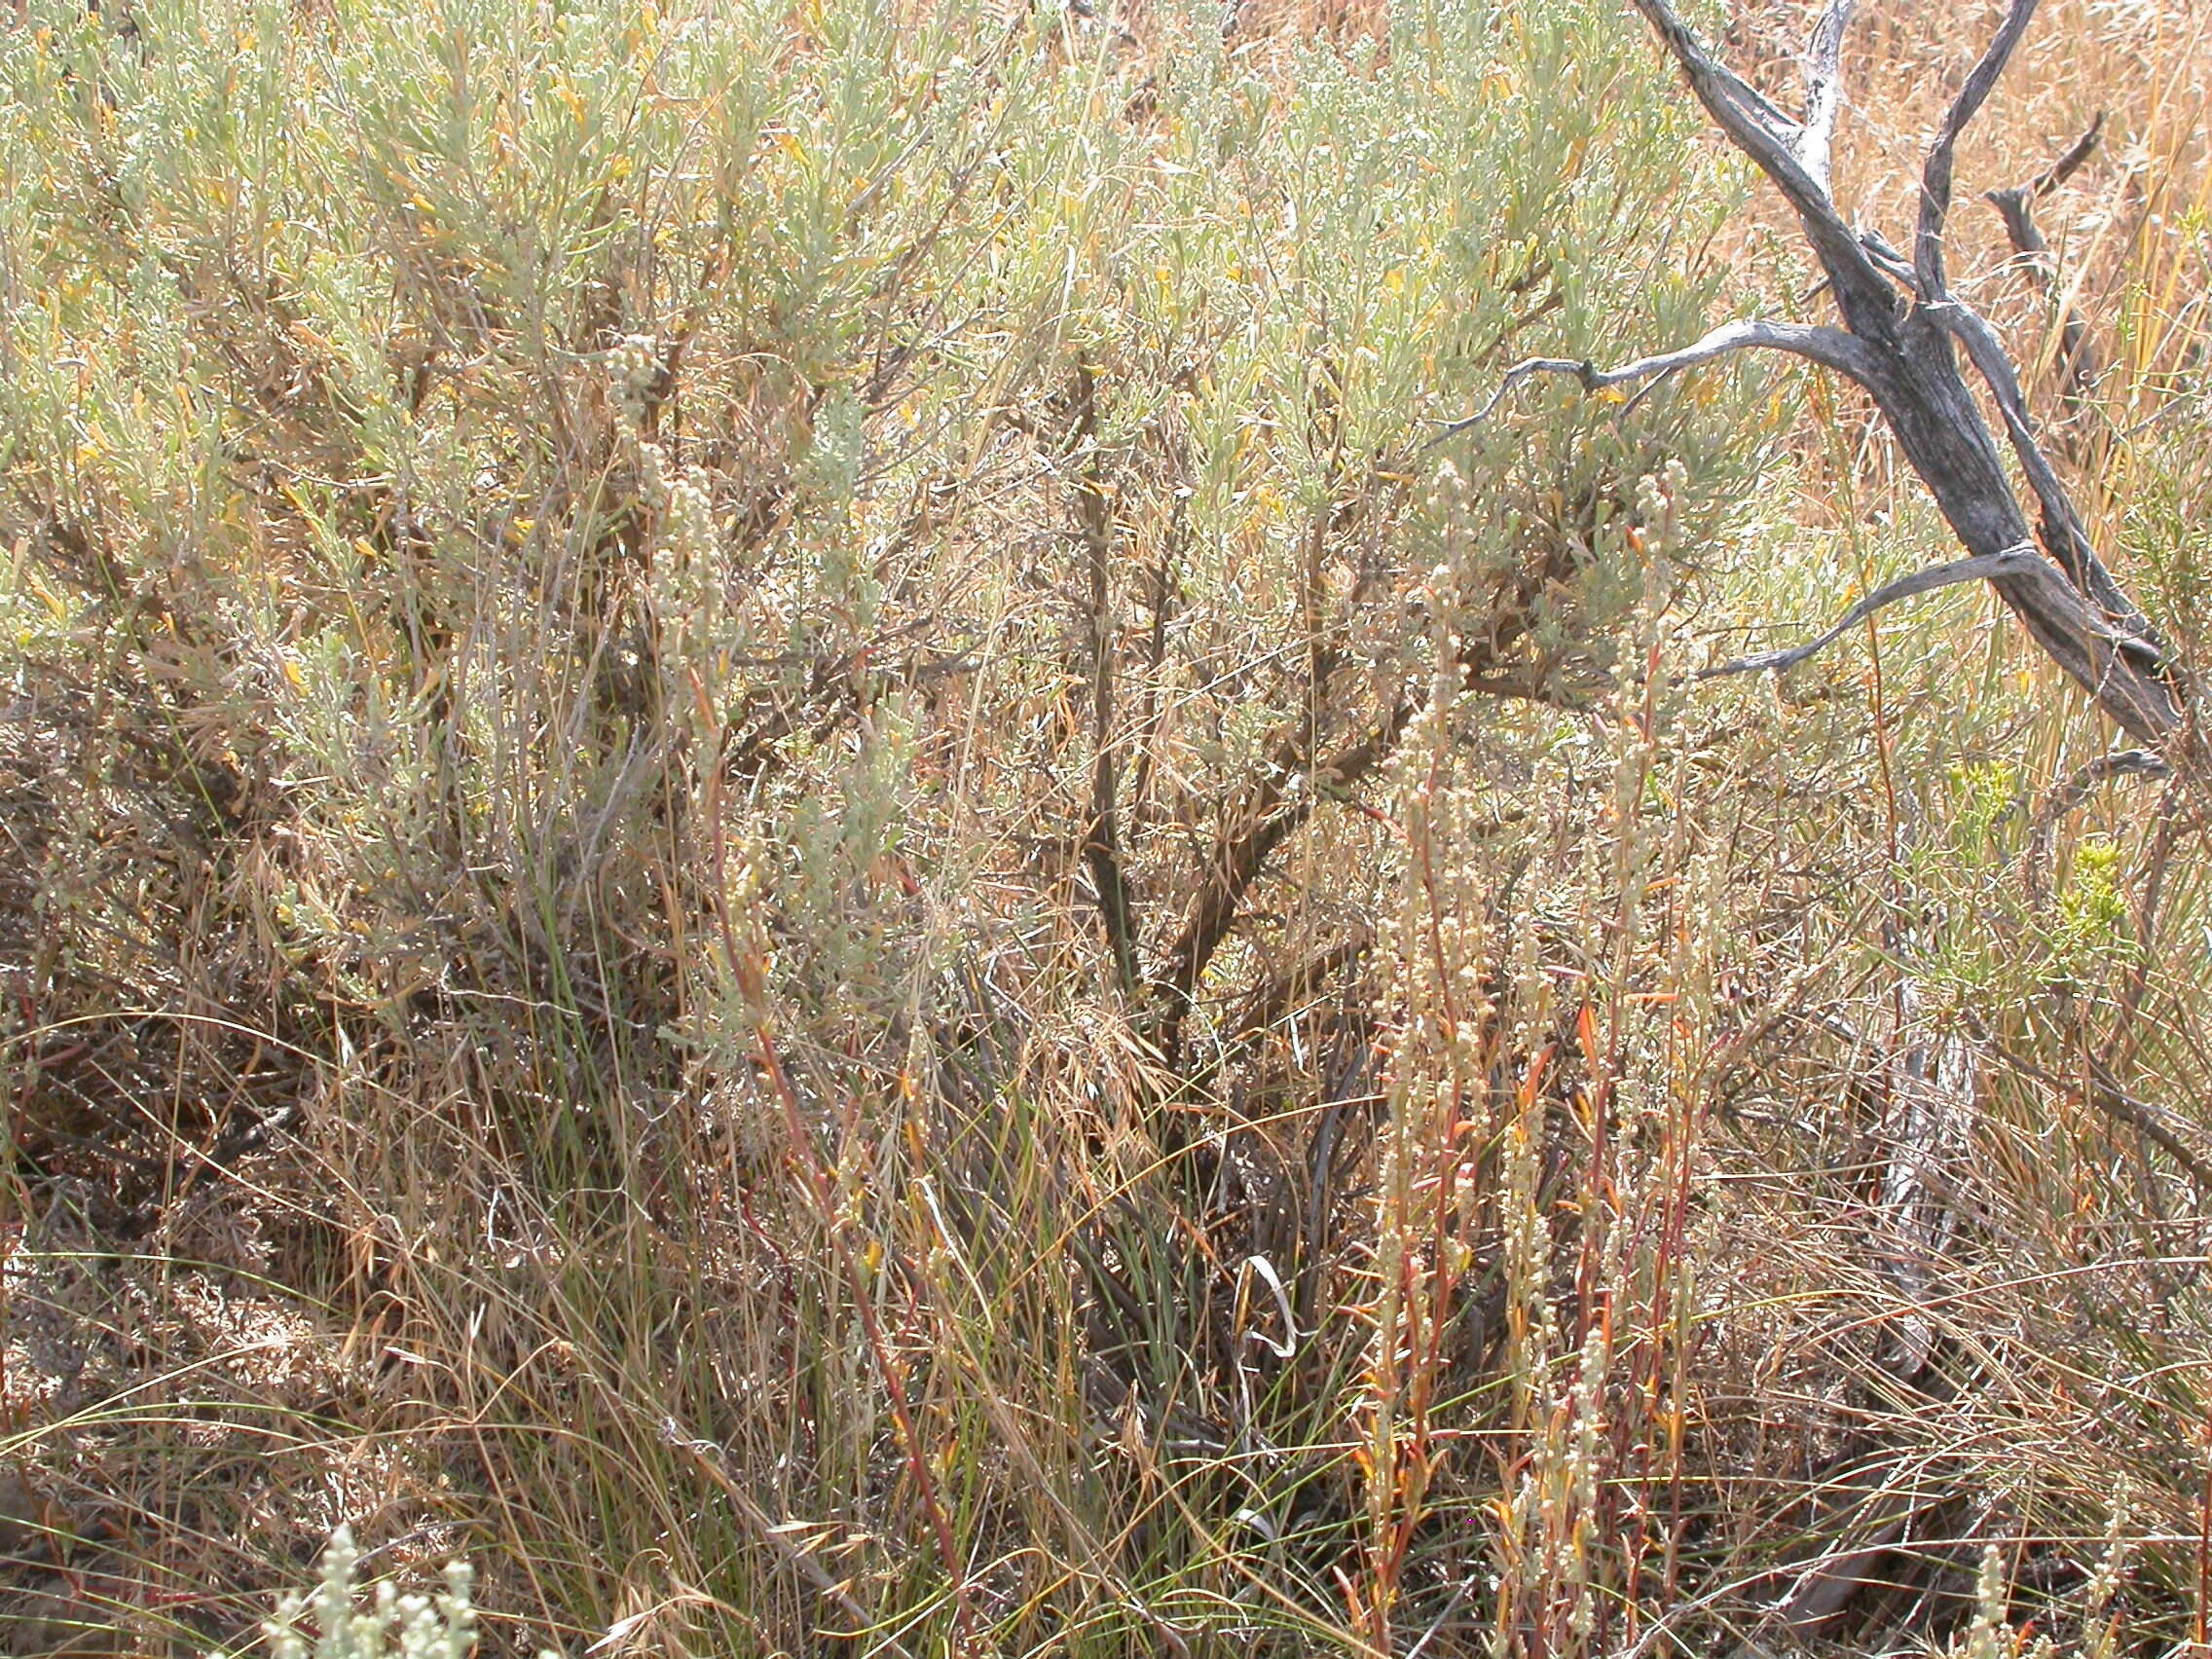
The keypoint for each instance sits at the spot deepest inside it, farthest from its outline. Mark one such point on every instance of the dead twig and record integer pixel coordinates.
(2042, 830)
(2103, 1092)
(2076, 356)
(1830, 348)
(1977, 568)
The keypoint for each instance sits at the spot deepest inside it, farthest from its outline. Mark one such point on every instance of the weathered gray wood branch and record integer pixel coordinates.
(1927, 580)
(2017, 205)
(1901, 332)
(1830, 348)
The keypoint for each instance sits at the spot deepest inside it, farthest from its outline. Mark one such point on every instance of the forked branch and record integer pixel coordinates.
(1980, 568)
(2016, 206)
(1899, 340)
(1936, 172)
(2063, 531)
(1831, 347)
(1791, 154)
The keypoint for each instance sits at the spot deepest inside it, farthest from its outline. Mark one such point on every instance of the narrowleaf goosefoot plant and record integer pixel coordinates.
(332, 1623)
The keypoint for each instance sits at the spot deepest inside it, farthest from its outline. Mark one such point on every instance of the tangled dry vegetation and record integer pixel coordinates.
(773, 846)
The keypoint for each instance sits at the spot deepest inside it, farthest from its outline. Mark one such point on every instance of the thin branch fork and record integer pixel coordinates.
(2016, 206)
(2101, 1091)
(1936, 172)
(2042, 830)
(1831, 347)
(2021, 198)
(1901, 338)
(1980, 568)
(1794, 155)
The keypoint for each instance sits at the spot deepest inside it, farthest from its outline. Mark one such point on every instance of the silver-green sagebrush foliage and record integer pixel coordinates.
(814, 869)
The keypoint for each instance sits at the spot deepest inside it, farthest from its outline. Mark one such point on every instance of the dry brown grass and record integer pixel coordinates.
(701, 1159)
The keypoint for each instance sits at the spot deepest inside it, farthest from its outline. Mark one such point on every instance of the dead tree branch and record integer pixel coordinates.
(1830, 348)
(2042, 830)
(2102, 1092)
(1824, 90)
(1974, 570)
(1935, 173)
(2016, 206)
(1900, 339)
